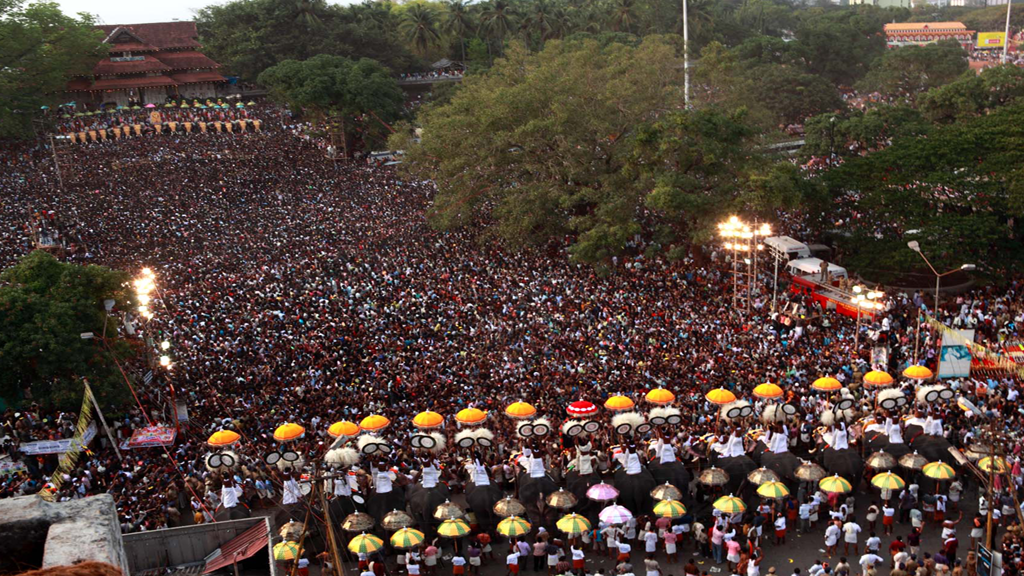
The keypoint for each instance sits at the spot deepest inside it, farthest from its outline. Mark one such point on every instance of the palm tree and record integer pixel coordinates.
(419, 26)
(499, 17)
(623, 15)
(458, 20)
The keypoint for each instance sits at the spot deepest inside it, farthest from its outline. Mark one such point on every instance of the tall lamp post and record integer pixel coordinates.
(866, 300)
(743, 239)
(916, 247)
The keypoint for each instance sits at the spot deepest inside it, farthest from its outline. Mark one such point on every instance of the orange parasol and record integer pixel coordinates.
(768, 390)
(374, 422)
(720, 396)
(471, 416)
(427, 419)
(827, 384)
(520, 410)
(286, 432)
(617, 403)
(660, 396)
(877, 378)
(343, 428)
(917, 372)
(223, 438)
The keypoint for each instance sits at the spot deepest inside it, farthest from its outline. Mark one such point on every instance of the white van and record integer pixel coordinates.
(785, 248)
(812, 267)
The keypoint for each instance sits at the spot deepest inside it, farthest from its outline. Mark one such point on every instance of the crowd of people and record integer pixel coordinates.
(296, 289)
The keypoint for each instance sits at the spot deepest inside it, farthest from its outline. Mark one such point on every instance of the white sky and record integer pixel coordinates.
(139, 11)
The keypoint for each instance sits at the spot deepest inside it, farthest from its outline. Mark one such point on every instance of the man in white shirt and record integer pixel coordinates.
(874, 544)
(851, 531)
(831, 538)
(869, 560)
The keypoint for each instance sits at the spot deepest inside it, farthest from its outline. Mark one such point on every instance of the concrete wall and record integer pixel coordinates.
(61, 533)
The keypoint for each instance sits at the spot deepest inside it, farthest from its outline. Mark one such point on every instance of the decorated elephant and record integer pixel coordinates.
(737, 467)
(930, 446)
(846, 463)
(481, 496)
(578, 484)
(635, 490)
(388, 492)
(875, 441)
(532, 492)
(423, 501)
(784, 464)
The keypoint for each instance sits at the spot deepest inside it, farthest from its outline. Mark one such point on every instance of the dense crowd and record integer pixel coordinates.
(295, 289)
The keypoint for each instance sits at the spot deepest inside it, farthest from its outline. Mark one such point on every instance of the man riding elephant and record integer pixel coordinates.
(426, 495)
(482, 494)
(634, 481)
(666, 467)
(534, 484)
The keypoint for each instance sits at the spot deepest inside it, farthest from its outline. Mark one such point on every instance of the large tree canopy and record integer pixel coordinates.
(332, 86)
(573, 140)
(912, 70)
(40, 48)
(960, 188)
(45, 306)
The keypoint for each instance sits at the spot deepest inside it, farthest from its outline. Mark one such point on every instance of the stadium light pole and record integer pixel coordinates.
(686, 55)
(1006, 37)
(916, 247)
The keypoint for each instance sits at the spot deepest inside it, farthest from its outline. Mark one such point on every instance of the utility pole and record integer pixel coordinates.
(103, 421)
(686, 54)
(56, 163)
(1006, 38)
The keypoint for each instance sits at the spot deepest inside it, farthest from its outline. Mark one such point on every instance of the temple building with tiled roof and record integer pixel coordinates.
(149, 63)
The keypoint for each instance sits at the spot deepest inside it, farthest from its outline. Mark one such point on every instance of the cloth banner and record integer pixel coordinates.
(157, 128)
(173, 126)
(151, 436)
(70, 458)
(218, 126)
(82, 137)
(228, 126)
(138, 129)
(202, 127)
(103, 134)
(117, 133)
(955, 357)
(59, 446)
(11, 467)
(92, 135)
(241, 124)
(188, 127)
(256, 125)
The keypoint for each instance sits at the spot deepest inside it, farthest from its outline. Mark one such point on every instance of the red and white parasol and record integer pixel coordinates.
(581, 409)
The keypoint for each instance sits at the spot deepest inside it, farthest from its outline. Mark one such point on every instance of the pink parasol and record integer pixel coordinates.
(581, 408)
(615, 514)
(602, 492)
(150, 105)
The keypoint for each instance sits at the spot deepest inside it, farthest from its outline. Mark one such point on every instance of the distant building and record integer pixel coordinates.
(884, 3)
(149, 63)
(921, 33)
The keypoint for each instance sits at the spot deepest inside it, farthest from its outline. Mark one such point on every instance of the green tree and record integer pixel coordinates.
(568, 141)
(973, 94)
(40, 48)
(338, 88)
(856, 131)
(420, 28)
(909, 71)
(499, 17)
(841, 44)
(45, 305)
(959, 187)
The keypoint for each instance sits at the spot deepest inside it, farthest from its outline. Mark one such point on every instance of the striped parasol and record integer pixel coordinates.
(365, 544)
(730, 505)
(939, 471)
(836, 484)
(453, 528)
(773, 490)
(669, 509)
(602, 492)
(615, 514)
(407, 538)
(573, 524)
(888, 481)
(513, 526)
(285, 551)
(997, 465)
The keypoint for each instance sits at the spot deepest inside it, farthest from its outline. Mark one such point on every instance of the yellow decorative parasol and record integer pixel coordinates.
(288, 432)
(877, 378)
(618, 403)
(520, 410)
(997, 465)
(768, 390)
(720, 396)
(223, 438)
(343, 428)
(286, 551)
(374, 422)
(917, 372)
(427, 419)
(471, 416)
(660, 396)
(827, 384)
